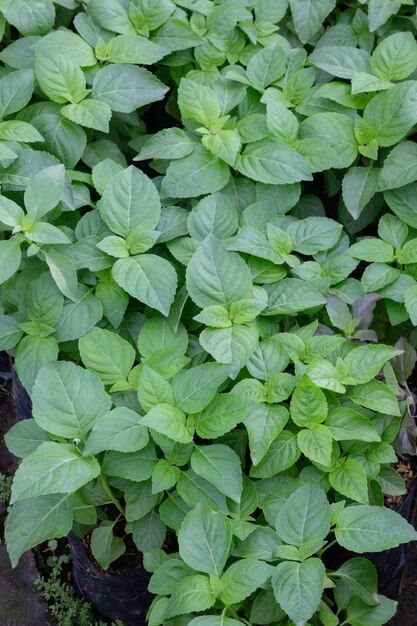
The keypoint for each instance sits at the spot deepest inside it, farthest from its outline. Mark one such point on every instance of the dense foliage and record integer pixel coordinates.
(216, 339)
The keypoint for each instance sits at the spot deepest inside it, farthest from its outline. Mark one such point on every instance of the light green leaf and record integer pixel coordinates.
(372, 250)
(211, 275)
(359, 186)
(80, 316)
(233, 345)
(106, 354)
(308, 16)
(364, 363)
(215, 462)
(349, 478)
(346, 424)
(67, 44)
(105, 546)
(170, 143)
(198, 102)
(223, 414)
(264, 423)
(16, 90)
(410, 301)
(118, 430)
(392, 113)
(376, 396)
(395, 57)
(298, 588)
(195, 388)
(380, 11)
(225, 145)
(308, 404)
(316, 444)
(292, 295)
(153, 389)
(169, 421)
(335, 129)
(64, 274)
(314, 234)
(192, 593)
(359, 612)
(282, 454)
(273, 162)
(90, 113)
(15, 130)
(126, 87)
(136, 466)
(32, 522)
(400, 166)
(10, 258)
(24, 437)
(266, 66)
(304, 517)
(31, 354)
(59, 77)
(61, 399)
(205, 539)
(243, 578)
(52, 468)
(148, 278)
(134, 49)
(361, 577)
(365, 528)
(198, 173)
(10, 333)
(340, 61)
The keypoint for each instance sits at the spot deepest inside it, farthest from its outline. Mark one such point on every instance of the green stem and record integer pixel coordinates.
(111, 495)
(329, 545)
(234, 614)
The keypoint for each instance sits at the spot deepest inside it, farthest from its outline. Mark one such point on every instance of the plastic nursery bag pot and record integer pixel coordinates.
(5, 367)
(123, 596)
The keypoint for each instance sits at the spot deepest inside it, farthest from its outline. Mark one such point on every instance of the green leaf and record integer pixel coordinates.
(392, 113)
(32, 522)
(314, 234)
(225, 144)
(169, 421)
(158, 334)
(337, 131)
(361, 577)
(349, 478)
(153, 389)
(170, 143)
(359, 613)
(402, 202)
(64, 274)
(304, 517)
(341, 61)
(308, 404)
(211, 275)
(198, 102)
(223, 414)
(316, 444)
(119, 430)
(175, 35)
(376, 396)
(90, 113)
(136, 466)
(215, 462)
(400, 167)
(10, 213)
(308, 16)
(372, 250)
(282, 454)
(67, 44)
(24, 437)
(366, 528)
(59, 77)
(215, 215)
(31, 354)
(148, 532)
(292, 295)
(281, 122)
(10, 333)
(196, 174)
(11, 256)
(15, 130)
(52, 468)
(214, 620)
(205, 539)
(359, 186)
(80, 316)
(126, 87)
(365, 362)
(134, 49)
(298, 588)
(324, 374)
(380, 11)
(148, 278)
(192, 593)
(266, 66)
(105, 546)
(111, 17)
(106, 354)
(130, 203)
(410, 301)
(233, 345)
(243, 578)
(395, 57)
(346, 424)
(196, 387)
(273, 162)
(16, 90)
(61, 399)
(264, 423)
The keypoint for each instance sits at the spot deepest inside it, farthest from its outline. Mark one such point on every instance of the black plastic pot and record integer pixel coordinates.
(5, 367)
(124, 596)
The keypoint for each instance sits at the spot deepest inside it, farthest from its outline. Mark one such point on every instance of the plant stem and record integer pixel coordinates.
(329, 545)
(234, 614)
(111, 495)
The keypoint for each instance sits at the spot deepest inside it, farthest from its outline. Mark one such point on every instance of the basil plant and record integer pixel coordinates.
(208, 286)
